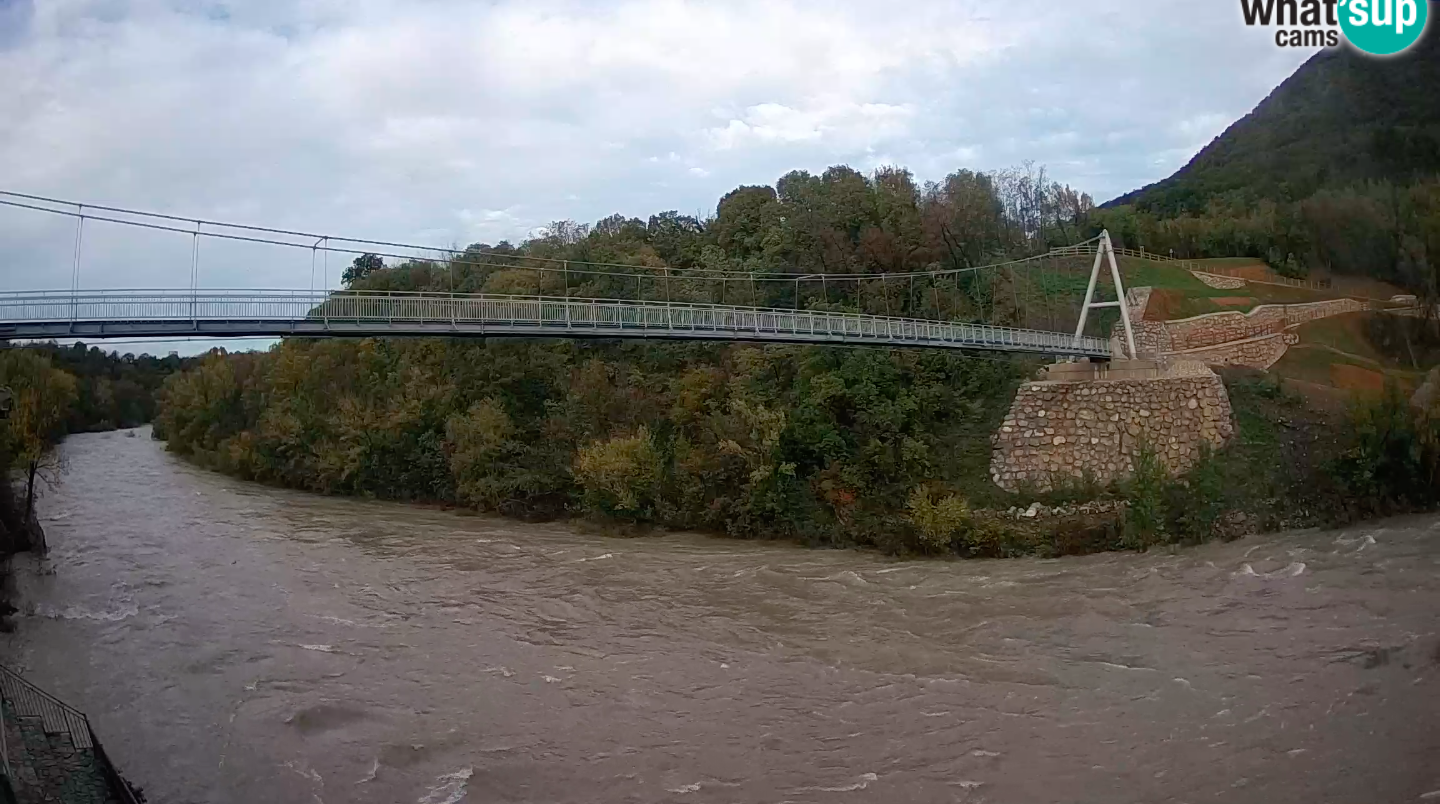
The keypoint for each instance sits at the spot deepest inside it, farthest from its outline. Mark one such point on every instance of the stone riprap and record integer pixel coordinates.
(1062, 432)
(1220, 282)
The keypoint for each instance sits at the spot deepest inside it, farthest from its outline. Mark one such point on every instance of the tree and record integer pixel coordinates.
(363, 266)
(42, 396)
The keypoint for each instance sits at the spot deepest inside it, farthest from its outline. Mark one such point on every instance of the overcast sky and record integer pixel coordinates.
(449, 122)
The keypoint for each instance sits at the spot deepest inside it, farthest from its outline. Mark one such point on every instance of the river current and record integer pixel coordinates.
(238, 643)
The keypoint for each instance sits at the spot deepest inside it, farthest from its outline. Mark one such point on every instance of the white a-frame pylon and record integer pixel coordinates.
(1104, 251)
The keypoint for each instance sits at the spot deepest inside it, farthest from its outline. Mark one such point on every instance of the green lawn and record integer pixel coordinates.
(1227, 262)
(1340, 332)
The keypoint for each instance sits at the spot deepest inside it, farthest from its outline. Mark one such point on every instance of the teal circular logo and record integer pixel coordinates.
(1383, 27)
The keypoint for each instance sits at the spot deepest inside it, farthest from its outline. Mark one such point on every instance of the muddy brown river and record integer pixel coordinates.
(237, 643)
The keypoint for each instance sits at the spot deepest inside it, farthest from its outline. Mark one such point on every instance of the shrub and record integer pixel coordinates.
(938, 521)
(1145, 493)
(1196, 505)
(1393, 456)
(620, 475)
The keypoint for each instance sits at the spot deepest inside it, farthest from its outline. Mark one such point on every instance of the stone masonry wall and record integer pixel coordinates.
(1220, 282)
(1258, 353)
(1216, 328)
(1059, 431)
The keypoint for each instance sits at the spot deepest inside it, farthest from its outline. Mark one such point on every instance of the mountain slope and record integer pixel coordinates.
(1341, 118)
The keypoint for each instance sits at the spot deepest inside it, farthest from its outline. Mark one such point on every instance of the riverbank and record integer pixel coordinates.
(886, 450)
(232, 641)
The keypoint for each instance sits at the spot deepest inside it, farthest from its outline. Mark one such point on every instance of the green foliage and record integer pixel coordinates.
(821, 445)
(363, 266)
(41, 397)
(112, 390)
(817, 444)
(1393, 461)
(620, 475)
(1145, 495)
(939, 521)
(485, 459)
(1196, 505)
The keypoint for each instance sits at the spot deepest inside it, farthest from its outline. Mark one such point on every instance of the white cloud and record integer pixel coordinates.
(451, 121)
(845, 123)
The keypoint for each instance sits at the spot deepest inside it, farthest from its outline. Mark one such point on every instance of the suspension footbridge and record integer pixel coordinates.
(1029, 305)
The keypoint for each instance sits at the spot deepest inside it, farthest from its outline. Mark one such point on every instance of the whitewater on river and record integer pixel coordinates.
(233, 643)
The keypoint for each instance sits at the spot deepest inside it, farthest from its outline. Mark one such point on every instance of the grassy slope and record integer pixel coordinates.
(1181, 295)
(1343, 340)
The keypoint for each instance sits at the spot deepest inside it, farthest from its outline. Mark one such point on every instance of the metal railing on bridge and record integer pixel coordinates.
(170, 313)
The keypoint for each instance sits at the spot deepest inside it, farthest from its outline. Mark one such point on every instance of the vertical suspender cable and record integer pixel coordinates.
(194, 273)
(75, 269)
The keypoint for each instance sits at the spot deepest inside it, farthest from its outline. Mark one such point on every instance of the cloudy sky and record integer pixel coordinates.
(451, 122)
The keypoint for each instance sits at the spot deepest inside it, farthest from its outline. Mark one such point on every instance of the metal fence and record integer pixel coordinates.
(23, 699)
(58, 313)
(1088, 250)
(1193, 265)
(1270, 279)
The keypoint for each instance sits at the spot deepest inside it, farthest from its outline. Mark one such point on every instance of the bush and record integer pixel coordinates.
(620, 475)
(1393, 457)
(938, 521)
(1196, 504)
(1145, 493)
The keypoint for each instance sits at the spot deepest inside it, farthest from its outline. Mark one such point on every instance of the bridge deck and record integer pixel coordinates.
(235, 313)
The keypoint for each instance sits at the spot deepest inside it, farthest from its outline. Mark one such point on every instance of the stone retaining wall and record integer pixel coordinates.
(1217, 328)
(1063, 431)
(1220, 282)
(1258, 353)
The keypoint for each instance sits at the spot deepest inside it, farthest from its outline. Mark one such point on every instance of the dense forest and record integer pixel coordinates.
(112, 390)
(50, 391)
(819, 444)
(826, 445)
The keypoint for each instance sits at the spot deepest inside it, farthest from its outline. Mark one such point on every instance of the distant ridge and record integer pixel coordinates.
(1341, 118)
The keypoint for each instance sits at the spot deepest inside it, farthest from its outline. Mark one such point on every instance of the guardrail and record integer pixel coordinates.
(162, 313)
(24, 699)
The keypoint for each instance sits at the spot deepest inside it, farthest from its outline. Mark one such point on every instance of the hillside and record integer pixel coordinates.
(1339, 119)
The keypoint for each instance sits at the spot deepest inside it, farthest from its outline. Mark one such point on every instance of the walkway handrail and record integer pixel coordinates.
(27, 700)
(50, 313)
